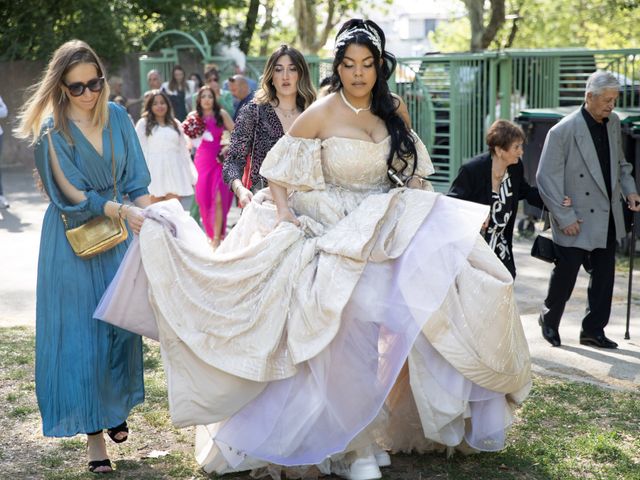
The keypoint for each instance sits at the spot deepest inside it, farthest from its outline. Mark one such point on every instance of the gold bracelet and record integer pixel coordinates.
(120, 210)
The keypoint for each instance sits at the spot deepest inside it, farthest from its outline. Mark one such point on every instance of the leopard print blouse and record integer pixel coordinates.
(255, 123)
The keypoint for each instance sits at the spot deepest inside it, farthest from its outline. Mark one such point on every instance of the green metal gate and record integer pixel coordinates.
(469, 91)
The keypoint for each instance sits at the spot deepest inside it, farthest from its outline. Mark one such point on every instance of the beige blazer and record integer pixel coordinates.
(569, 166)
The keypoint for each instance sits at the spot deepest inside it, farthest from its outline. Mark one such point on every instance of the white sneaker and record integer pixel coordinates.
(3, 202)
(363, 469)
(383, 459)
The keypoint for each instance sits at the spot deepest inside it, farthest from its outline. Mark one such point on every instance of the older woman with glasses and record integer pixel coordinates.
(88, 373)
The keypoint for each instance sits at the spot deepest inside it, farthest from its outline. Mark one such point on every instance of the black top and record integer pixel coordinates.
(601, 142)
(178, 103)
(473, 183)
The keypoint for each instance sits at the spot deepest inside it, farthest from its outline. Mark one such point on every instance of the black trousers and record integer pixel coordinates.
(563, 278)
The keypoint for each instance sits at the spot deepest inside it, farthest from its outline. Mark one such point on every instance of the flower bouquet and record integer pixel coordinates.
(193, 126)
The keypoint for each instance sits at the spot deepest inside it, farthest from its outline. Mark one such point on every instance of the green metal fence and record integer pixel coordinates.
(469, 91)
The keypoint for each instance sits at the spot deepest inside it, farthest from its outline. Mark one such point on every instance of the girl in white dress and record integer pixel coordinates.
(165, 150)
(350, 310)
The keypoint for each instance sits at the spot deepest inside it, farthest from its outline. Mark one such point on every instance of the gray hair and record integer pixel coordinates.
(151, 72)
(599, 81)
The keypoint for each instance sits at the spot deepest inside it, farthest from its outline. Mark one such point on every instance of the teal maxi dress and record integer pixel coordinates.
(89, 374)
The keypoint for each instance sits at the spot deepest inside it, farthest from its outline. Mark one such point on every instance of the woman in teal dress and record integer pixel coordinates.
(89, 374)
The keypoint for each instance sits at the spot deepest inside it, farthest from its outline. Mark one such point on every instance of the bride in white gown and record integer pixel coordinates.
(344, 315)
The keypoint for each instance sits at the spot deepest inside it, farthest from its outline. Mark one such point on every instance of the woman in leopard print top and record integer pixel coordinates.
(285, 92)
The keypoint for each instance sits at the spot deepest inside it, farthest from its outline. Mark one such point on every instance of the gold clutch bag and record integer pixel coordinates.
(100, 233)
(96, 236)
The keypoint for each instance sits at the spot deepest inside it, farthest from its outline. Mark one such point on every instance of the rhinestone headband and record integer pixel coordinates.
(349, 34)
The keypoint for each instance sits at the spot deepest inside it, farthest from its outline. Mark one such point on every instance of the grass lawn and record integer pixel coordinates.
(563, 431)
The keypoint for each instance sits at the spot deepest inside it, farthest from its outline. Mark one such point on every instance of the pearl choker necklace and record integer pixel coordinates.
(355, 110)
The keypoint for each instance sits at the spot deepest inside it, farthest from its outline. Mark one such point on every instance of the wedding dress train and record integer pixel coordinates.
(383, 319)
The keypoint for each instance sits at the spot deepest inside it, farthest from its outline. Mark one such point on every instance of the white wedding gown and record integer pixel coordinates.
(384, 318)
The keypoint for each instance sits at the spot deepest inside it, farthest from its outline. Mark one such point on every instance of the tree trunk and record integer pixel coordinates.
(265, 31)
(514, 26)
(308, 37)
(331, 21)
(304, 11)
(475, 9)
(481, 36)
(249, 26)
(496, 21)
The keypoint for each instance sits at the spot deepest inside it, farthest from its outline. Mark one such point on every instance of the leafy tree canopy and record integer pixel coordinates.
(598, 24)
(32, 29)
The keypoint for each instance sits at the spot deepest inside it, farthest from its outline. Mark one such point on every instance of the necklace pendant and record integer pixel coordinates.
(348, 104)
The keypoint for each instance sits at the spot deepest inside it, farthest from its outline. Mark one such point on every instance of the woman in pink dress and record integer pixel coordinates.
(212, 194)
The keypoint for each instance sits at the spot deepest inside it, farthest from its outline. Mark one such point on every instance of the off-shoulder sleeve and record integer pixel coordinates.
(295, 163)
(424, 167)
(136, 179)
(79, 212)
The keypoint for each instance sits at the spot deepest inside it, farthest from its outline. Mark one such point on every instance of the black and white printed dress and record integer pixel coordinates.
(473, 183)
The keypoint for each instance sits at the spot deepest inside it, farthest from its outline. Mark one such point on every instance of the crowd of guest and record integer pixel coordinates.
(340, 227)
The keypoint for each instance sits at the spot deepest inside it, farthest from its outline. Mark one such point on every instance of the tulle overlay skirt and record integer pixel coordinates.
(395, 326)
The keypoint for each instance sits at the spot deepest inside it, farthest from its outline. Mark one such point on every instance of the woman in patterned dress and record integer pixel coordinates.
(88, 373)
(496, 178)
(285, 92)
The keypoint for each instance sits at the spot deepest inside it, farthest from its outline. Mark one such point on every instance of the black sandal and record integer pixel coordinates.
(94, 464)
(112, 432)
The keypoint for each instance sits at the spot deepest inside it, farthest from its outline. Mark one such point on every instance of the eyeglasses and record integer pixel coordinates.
(76, 89)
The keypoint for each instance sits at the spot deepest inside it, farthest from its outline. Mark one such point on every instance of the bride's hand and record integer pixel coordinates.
(287, 216)
(244, 196)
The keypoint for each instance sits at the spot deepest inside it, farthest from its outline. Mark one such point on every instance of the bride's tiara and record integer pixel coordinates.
(368, 31)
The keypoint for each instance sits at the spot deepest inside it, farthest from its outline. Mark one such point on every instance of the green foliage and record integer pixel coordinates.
(451, 36)
(33, 29)
(550, 24)
(578, 23)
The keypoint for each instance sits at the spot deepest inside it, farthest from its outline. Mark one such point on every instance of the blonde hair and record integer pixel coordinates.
(267, 93)
(47, 97)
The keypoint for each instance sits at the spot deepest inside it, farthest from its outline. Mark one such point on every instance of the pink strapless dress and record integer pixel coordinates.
(210, 181)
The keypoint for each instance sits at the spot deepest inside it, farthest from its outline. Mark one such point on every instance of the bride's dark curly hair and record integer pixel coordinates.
(383, 103)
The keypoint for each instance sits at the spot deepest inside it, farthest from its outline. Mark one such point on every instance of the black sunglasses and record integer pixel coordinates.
(78, 88)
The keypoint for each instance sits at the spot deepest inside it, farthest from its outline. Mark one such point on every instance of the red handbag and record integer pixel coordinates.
(246, 176)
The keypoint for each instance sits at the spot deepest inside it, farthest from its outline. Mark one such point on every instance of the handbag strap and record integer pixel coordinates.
(113, 165)
(113, 169)
(253, 143)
